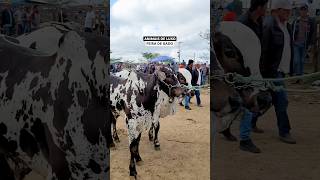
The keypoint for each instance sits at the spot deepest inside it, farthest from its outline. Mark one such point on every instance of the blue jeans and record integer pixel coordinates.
(245, 125)
(299, 54)
(280, 101)
(197, 93)
(20, 29)
(27, 28)
(204, 78)
(186, 101)
(87, 30)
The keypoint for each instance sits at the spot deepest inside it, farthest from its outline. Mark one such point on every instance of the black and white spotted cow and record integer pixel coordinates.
(167, 105)
(140, 97)
(53, 100)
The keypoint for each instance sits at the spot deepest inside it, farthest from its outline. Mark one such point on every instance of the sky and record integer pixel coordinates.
(130, 20)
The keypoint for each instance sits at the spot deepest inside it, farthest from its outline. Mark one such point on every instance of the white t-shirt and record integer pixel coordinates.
(18, 15)
(90, 20)
(199, 77)
(286, 53)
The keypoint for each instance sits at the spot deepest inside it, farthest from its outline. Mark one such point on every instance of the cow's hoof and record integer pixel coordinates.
(133, 175)
(157, 147)
(139, 163)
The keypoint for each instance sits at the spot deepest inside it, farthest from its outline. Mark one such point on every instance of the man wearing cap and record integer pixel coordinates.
(187, 98)
(302, 35)
(275, 61)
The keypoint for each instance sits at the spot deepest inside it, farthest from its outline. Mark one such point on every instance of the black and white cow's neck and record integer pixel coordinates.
(64, 94)
(145, 87)
(164, 87)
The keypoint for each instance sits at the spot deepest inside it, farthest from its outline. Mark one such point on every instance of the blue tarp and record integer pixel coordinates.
(162, 59)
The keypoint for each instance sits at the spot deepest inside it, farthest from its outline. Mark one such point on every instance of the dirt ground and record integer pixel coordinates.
(185, 147)
(278, 160)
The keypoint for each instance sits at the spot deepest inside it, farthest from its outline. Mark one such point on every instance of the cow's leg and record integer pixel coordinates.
(134, 150)
(227, 134)
(112, 126)
(114, 131)
(156, 140)
(5, 170)
(151, 132)
(138, 158)
(111, 144)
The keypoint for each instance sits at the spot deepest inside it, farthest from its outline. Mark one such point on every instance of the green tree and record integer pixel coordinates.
(149, 56)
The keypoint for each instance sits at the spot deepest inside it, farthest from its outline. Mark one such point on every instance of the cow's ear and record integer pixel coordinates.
(161, 75)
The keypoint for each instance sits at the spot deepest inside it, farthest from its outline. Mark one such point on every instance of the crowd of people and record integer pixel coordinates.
(117, 67)
(204, 70)
(94, 22)
(301, 26)
(19, 20)
(284, 46)
(199, 73)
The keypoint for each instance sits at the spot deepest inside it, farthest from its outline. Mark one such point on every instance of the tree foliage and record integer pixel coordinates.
(149, 56)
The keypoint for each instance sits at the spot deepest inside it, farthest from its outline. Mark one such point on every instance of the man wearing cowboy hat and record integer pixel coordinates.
(275, 60)
(187, 98)
(303, 37)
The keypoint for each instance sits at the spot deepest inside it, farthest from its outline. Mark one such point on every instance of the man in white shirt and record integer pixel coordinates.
(196, 81)
(18, 18)
(275, 60)
(90, 20)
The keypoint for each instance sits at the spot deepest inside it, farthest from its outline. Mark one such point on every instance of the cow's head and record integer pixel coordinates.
(184, 82)
(228, 55)
(231, 60)
(169, 83)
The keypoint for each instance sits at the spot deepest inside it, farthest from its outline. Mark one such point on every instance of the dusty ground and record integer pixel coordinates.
(185, 148)
(277, 161)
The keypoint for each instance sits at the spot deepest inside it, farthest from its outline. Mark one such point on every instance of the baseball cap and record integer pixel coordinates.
(281, 4)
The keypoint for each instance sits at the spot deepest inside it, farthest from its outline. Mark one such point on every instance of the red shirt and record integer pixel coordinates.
(230, 16)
